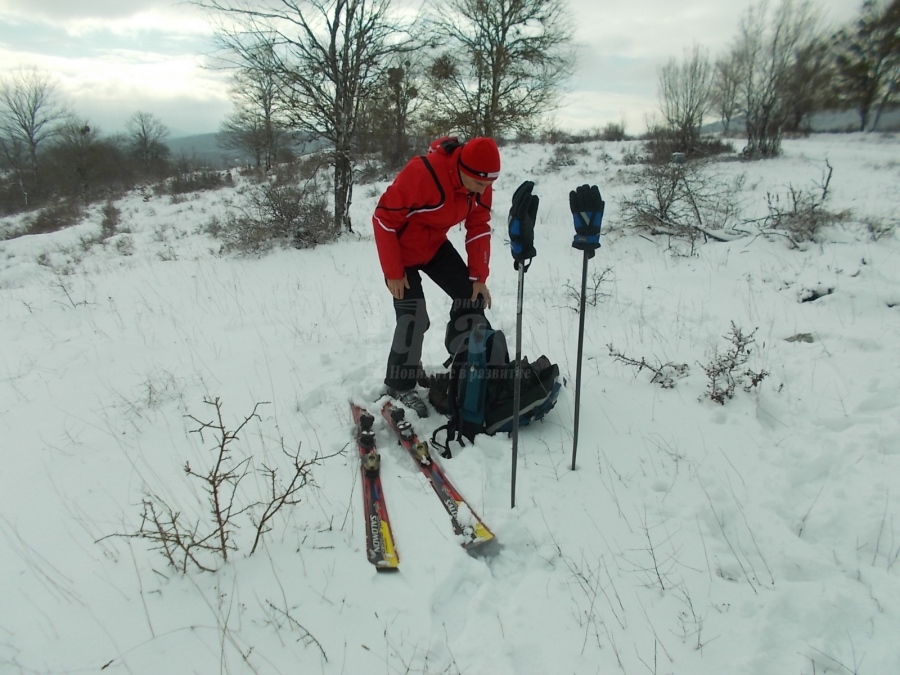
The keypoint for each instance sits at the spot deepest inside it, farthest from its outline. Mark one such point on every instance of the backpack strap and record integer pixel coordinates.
(447, 144)
(445, 447)
(452, 427)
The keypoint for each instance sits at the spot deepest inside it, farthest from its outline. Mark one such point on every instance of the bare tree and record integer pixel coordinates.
(810, 84)
(254, 127)
(147, 136)
(724, 90)
(245, 132)
(31, 112)
(684, 96)
(387, 118)
(868, 59)
(83, 164)
(765, 52)
(330, 54)
(502, 63)
(390, 121)
(76, 147)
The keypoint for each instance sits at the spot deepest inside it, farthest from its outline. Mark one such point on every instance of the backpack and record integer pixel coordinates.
(477, 393)
(445, 144)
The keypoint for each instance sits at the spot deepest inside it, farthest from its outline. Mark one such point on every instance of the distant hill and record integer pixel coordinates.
(205, 149)
(827, 121)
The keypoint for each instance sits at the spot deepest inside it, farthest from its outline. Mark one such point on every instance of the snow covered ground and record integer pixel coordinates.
(755, 538)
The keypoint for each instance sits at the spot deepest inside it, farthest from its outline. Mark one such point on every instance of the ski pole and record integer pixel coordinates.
(587, 207)
(584, 269)
(522, 215)
(517, 389)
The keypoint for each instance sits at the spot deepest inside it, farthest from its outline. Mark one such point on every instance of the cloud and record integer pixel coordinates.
(108, 86)
(64, 11)
(28, 40)
(183, 115)
(620, 47)
(112, 54)
(595, 109)
(112, 58)
(84, 26)
(653, 29)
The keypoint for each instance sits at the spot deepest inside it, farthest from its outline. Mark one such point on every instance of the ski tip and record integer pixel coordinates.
(484, 548)
(387, 563)
(479, 537)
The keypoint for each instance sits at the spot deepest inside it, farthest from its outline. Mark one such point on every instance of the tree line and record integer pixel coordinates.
(783, 66)
(358, 75)
(48, 154)
(370, 80)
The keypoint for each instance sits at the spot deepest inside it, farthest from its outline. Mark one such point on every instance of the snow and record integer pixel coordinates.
(762, 536)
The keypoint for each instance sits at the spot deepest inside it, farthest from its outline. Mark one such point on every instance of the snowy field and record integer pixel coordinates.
(761, 537)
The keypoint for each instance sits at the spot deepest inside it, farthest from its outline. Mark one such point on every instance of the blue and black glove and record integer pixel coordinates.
(587, 212)
(522, 215)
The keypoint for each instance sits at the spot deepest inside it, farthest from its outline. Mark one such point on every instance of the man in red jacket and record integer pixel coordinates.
(449, 185)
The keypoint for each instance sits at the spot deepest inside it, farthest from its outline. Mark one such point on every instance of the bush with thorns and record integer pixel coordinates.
(203, 543)
(801, 214)
(279, 212)
(685, 202)
(727, 371)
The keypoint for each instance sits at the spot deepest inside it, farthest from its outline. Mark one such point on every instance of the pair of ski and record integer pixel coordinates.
(380, 548)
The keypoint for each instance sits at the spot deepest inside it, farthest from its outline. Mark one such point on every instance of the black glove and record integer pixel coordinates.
(522, 215)
(587, 213)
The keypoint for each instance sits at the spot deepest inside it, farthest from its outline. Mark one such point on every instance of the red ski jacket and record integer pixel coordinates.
(417, 210)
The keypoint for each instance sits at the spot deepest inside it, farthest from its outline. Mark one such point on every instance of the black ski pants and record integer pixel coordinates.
(451, 274)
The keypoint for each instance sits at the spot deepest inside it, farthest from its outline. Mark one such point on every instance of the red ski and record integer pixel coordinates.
(380, 548)
(466, 522)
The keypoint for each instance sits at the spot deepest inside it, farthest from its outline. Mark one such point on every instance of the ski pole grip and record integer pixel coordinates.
(587, 208)
(522, 216)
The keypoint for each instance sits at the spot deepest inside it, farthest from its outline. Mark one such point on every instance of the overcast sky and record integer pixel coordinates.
(115, 57)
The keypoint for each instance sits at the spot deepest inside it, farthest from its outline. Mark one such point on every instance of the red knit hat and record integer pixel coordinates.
(480, 159)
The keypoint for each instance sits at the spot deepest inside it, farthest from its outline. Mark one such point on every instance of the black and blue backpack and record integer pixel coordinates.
(477, 392)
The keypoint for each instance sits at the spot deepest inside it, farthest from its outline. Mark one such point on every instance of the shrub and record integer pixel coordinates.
(125, 245)
(593, 293)
(725, 372)
(614, 131)
(563, 155)
(879, 227)
(370, 171)
(203, 544)
(664, 374)
(685, 202)
(189, 180)
(278, 214)
(55, 217)
(660, 144)
(109, 226)
(800, 215)
(307, 167)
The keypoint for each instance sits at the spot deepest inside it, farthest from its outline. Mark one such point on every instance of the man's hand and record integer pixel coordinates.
(479, 288)
(397, 287)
